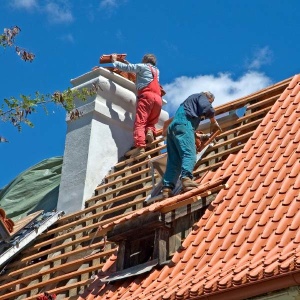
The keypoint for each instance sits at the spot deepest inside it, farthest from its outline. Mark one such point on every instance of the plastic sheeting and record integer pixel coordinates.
(34, 189)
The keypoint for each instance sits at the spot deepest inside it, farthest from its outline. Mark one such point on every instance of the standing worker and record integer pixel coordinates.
(149, 100)
(181, 140)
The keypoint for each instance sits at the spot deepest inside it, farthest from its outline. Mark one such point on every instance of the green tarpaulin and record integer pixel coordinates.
(34, 189)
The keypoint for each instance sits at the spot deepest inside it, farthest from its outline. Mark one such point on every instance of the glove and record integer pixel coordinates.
(204, 137)
(200, 139)
(215, 127)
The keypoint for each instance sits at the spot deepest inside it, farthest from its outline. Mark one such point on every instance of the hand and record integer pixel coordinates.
(113, 57)
(202, 136)
(215, 127)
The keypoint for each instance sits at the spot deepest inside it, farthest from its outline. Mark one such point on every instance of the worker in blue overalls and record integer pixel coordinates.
(181, 140)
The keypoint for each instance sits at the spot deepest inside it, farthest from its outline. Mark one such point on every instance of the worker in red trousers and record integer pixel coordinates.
(149, 100)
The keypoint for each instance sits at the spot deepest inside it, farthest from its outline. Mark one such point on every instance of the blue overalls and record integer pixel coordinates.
(181, 148)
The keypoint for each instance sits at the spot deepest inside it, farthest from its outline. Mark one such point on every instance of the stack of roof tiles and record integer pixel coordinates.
(7, 222)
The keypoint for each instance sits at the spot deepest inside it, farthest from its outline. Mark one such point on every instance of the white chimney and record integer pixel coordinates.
(95, 142)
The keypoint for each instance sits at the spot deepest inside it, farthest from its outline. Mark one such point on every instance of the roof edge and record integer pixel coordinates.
(247, 290)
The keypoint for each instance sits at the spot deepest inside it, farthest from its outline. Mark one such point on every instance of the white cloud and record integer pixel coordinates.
(68, 38)
(26, 4)
(223, 86)
(108, 3)
(58, 13)
(262, 56)
(111, 5)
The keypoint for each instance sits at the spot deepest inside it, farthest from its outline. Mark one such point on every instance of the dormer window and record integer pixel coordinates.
(140, 240)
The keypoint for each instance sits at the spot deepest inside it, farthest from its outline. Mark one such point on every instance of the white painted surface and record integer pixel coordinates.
(95, 142)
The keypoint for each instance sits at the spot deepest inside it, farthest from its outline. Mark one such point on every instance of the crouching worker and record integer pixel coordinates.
(149, 100)
(181, 140)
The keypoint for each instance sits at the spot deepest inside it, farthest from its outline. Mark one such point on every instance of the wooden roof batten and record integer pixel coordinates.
(80, 231)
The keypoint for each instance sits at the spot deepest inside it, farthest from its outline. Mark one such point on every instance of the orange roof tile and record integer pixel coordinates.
(250, 233)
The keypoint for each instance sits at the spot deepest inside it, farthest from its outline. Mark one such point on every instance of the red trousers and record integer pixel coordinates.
(147, 114)
(148, 107)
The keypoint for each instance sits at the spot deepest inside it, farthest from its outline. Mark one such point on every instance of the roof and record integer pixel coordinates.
(248, 235)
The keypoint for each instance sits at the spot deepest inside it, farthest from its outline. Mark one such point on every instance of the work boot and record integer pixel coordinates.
(137, 151)
(167, 192)
(188, 184)
(149, 136)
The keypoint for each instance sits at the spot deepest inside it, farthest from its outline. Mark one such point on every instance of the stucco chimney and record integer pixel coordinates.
(96, 140)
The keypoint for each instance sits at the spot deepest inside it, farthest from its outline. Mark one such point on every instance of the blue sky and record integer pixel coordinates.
(232, 48)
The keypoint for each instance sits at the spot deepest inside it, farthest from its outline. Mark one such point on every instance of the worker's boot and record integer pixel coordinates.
(167, 192)
(149, 136)
(137, 152)
(188, 184)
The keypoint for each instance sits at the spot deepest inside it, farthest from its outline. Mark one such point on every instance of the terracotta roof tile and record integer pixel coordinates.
(7, 225)
(252, 232)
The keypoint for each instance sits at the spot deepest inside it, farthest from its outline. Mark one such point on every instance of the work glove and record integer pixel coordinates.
(215, 127)
(204, 137)
(200, 139)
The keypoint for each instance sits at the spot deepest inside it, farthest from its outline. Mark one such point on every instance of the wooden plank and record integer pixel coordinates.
(252, 115)
(121, 255)
(79, 284)
(103, 213)
(17, 269)
(268, 101)
(242, 127)
(120, 180)
(27, 288)
(104, 203)
(186, 210)
(203, 170)
(73, 233)
(127, 186)
(192, 199)
(34, 275)
(70, 224)
(162, 239)
(135, 227)
(130, 168)
(142, 156)
(148, 145)
(230, 141)
(235, 149)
